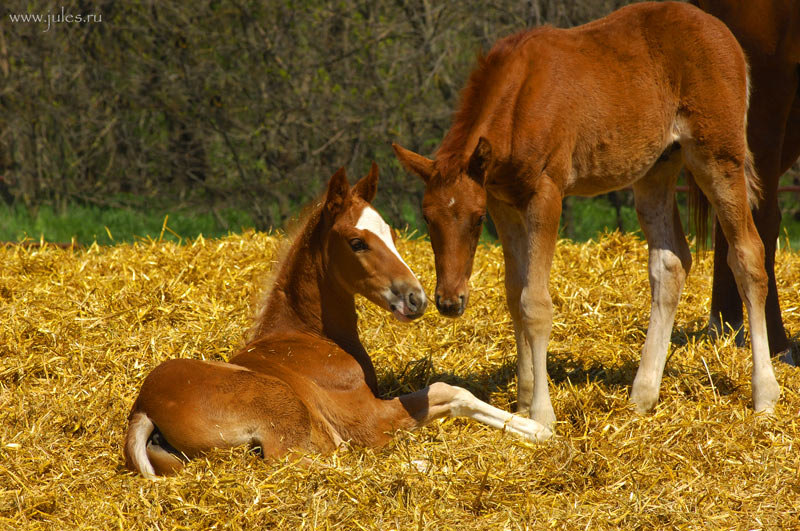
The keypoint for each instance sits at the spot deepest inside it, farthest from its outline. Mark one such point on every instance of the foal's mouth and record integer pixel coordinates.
(407, 306)
(404, 317)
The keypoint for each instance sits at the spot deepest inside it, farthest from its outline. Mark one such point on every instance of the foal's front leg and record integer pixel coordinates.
(441, 400)
(514, 238)
(535, 305)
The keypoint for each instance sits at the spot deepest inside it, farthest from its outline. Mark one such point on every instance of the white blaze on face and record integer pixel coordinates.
(371, 221)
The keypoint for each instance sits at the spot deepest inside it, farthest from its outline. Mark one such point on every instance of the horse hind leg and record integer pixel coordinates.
(669, 262)
(790, 154)
(726, 316)
(723, 179)
(770, 124)
(165, 459)
(773, 122)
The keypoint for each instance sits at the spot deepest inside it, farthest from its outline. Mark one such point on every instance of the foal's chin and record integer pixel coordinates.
(403, 314)
(453, 312)
(405, 317)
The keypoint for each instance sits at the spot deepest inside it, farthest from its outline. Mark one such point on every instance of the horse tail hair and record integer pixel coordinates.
(754, 191)
(699, 206)
(698, 211)
(140, 428)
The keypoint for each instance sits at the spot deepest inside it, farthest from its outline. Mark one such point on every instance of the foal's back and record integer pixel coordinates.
(638, 41)
(605, 98)
(302, 359)
(230, 397)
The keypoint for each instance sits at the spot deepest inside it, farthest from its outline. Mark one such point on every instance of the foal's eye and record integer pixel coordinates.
(358, 245)
(425, 218)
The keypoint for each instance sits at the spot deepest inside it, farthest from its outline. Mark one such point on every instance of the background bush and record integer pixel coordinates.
(247, 105)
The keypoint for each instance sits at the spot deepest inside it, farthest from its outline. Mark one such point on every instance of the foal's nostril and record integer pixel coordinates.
(412, 301)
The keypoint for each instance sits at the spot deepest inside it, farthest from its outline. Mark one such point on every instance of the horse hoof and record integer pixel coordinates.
(765, 396)
(643, 398)
(791, 356)
(545, 417)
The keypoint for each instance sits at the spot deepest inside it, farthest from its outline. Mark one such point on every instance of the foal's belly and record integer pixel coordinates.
(619, 146)
(602, 168)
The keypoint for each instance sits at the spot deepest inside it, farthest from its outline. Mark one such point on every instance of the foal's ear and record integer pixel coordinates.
(479, 161)
(414, 163)
(367, 186)
(338, 188)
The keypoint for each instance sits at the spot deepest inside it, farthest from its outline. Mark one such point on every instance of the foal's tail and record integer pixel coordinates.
(150, 460)
(698, 210)
(754, 191)
(699, 207)
(140, 428)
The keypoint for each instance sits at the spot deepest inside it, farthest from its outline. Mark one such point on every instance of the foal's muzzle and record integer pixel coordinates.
(407, 301)
(451, 306)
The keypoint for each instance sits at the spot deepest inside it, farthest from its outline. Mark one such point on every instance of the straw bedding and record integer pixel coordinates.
(80, 329)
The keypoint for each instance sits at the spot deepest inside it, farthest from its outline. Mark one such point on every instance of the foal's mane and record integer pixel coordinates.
(298, 232)
(450, 157)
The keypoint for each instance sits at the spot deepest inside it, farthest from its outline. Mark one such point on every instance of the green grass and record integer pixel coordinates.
(88, 224)
(594, 216)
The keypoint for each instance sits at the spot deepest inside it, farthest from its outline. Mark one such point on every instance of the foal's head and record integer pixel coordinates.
(359, 250)
(454, 208)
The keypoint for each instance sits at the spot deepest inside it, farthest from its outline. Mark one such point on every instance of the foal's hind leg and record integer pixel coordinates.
(769, 133)
(723, 181)
(669, 262)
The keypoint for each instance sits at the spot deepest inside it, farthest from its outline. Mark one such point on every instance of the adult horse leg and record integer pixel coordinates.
(791, 135)
(511, 230)
(789, 155)
(723, 181)
(669, 262)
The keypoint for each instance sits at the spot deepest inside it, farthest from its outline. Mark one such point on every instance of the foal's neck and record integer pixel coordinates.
(306, 299)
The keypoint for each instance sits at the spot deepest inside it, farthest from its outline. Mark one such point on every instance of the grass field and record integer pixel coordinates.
(107, 226)
(80, 329)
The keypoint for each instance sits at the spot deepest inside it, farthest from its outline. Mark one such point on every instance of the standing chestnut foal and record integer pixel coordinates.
(621, 101)
(303, 381)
